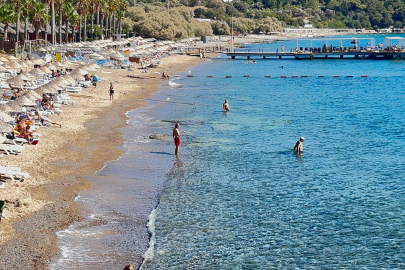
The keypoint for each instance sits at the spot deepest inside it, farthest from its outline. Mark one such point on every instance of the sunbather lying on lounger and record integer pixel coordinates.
(44, 120)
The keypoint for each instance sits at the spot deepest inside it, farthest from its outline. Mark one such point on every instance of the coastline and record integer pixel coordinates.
(57, 165)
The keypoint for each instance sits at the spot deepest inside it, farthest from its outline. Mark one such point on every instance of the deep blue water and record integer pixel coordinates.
(238, 197)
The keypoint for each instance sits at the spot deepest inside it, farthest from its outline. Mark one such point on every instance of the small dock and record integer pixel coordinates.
(310, 55)
(348, 48)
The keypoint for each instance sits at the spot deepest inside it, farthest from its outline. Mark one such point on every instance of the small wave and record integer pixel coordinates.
(148, 256)
(174, 85)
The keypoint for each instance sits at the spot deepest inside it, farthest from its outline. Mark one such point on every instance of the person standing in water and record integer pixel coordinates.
(177, 137)
(226, 106)
(299, 147)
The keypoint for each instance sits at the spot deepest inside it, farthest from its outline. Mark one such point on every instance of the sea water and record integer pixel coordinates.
(237, 196)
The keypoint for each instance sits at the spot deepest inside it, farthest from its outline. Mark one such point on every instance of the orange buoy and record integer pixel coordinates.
(246, 75)
(294, 76)
(350, 76)
(210, 76)
(304, 76)
(228, 76)
(364, 76)
(267, 76)
(283, 76)
(336, 76)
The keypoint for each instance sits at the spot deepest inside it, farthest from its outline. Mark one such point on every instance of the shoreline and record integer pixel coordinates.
(28, 236)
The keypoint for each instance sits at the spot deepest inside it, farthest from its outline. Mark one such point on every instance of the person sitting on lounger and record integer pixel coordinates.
(23, 131)
(45, 103)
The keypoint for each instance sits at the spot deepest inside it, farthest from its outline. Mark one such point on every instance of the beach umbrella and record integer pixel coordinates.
(5, 117)
(1, 63)
(46, 70)
(13, 65)
(60, 81)
(18, 80)
(28, 63)
(77, 76)
(11, 106)
(96, 56)
(39, 61)
(51, 66)
(25, 101)
(69, 79)
(59, 65)
(36, 72)
(3, 69)
(81, 71)
(53, 87)
(4, 127)
(33, 95)
(11, 57)
(42, 90)
(3, 59)
(89, 68)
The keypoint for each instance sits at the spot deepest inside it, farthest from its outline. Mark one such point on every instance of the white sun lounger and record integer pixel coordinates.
(13, 173)
(11, 149)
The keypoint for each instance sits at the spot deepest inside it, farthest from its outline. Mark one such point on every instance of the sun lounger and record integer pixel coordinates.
(1, 209)
(74, 89)
(14, 173)
(10, 149)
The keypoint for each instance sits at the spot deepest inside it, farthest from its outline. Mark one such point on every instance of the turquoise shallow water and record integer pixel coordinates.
(240, 198)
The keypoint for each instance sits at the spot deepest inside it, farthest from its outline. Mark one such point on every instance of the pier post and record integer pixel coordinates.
(341, 56)
(356, 56)
(233, 56)
(248, 57)
(279, 57)
(264, 57)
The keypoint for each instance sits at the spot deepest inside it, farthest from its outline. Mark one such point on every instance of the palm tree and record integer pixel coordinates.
(68, 11)
(17, 7)
(60, 4)
(74, 19)
(7, 16)
(38, 16)
(122, 8)
(26, 7)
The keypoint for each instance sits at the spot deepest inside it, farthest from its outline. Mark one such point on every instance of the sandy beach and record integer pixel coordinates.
(44, 203)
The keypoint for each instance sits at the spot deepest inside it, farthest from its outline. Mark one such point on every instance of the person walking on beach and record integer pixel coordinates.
(299, 147)
(225, 106)
(111, 91)
(177, 137)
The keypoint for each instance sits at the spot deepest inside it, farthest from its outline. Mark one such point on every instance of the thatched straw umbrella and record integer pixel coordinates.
(39, 61)
(4, 127)
(46, 70)
(11, 57)
(25, 101)
(33, 95)
(36, 72)
(51, 66)
(69, 79)
(5, 117)
(3, 69)
(11, 106)
(77, 76)
(81, 71)
(3, 59)
(18, 80)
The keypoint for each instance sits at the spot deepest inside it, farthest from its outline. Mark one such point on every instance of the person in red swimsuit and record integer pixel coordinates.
(177, 138)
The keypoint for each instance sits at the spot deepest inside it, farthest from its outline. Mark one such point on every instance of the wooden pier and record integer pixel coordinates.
(310, 55)
(348, 48)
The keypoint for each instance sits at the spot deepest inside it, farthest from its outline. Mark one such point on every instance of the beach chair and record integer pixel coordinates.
(2, 203)
(10, 149)
(14, 173)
